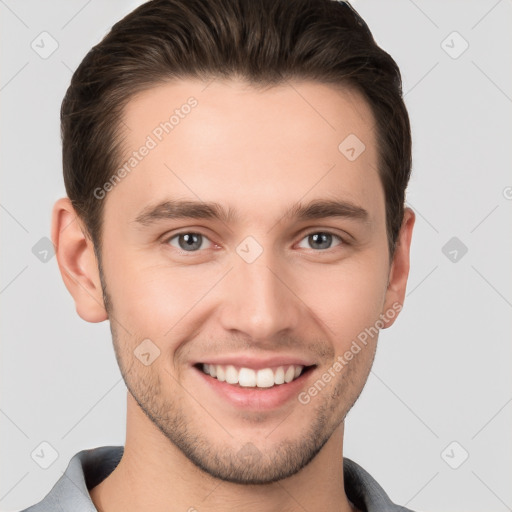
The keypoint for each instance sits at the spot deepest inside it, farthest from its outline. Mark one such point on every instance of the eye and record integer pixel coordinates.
(188, 241)
(322, 239)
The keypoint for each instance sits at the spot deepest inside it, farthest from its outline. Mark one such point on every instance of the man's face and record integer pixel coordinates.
(259, 290)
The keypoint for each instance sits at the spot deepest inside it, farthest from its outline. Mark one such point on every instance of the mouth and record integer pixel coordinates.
(263, 378)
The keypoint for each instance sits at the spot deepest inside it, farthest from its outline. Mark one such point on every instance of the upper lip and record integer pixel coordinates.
(257, 363)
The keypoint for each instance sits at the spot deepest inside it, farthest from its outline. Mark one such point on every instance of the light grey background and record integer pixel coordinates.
(442, 372)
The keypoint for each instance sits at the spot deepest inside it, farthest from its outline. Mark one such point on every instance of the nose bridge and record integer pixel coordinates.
(258, 301)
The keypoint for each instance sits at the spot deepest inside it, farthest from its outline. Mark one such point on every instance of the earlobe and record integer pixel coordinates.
(77, 262)
(399, 273)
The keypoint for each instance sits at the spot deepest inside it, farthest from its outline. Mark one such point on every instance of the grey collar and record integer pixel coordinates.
(88, 468)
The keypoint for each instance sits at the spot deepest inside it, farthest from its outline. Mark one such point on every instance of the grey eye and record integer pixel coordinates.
(189, 242)
(321, 239)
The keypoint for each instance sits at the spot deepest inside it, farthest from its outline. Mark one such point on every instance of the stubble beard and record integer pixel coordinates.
(249, 465)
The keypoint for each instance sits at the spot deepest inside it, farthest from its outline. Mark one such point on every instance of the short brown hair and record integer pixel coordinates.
(265, 42)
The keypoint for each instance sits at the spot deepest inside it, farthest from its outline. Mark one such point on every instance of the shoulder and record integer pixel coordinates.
(365, 492)
(86, 469)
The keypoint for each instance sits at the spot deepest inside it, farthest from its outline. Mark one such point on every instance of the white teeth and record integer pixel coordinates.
(221, 374)
(231, 375)
(279, 376)
(290, 374)
(265, 378)
(249, 378)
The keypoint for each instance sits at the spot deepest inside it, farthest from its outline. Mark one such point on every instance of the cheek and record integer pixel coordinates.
(347, 299)
(154, 299)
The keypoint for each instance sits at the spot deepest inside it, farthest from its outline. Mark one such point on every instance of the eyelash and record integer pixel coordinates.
(306, 235)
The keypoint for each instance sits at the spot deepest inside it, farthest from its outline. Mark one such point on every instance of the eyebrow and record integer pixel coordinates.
(186, 209)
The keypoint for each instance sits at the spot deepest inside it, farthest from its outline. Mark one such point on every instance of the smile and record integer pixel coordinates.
(249, 378)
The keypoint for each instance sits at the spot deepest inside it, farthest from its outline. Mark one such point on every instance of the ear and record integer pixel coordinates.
(399, 272)
(77, 262)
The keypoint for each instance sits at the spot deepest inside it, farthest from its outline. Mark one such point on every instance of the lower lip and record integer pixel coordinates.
(257, 398)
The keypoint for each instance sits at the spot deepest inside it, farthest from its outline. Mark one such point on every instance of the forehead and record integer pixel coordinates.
(255, 150)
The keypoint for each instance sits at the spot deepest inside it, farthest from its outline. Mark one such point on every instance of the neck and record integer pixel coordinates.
(155, 475)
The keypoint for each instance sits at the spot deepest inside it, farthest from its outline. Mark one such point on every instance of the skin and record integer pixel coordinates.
(258, 152)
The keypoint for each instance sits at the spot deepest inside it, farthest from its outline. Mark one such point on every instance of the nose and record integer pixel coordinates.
(259, 300)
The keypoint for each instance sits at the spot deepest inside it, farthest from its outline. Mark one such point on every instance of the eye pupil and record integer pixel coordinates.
(191, 241)
(323, 239)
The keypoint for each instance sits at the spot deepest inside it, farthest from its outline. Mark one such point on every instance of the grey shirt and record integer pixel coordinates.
(89, 467)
